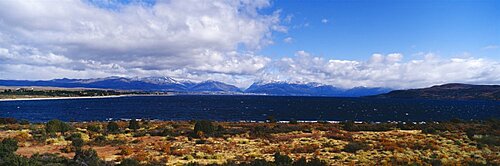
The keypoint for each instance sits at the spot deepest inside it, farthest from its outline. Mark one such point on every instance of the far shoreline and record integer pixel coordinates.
(79, 97)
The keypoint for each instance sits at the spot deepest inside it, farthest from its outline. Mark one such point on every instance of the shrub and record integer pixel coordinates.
(353, 147)
(470, 133)
(94, 128)
(204, 126)
(49, 159)
(57, 126)
(429, 130)
(260, 131)
(282, 160)
(129, 162)
(77, 143)
(113, 127)
(8, 146)
(300, 162)
(74, 136)
(100, 140)
(489, 140)
(133, 124)
(8, 120)
(87, 157)
(271, 119)
(259, 162)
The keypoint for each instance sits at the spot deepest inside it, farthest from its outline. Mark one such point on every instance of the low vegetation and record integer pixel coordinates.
(140, 142)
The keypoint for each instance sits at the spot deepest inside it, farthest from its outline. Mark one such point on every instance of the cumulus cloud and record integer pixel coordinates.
(384, 71)
(191, 36)
(324, 21)
(195, 40)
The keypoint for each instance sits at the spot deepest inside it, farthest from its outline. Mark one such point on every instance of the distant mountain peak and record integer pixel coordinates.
(159, 80)
(264, 82)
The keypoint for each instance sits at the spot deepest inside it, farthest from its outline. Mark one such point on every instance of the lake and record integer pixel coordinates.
(236, 108)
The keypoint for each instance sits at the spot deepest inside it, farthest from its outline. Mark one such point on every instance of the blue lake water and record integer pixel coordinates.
(235, 108)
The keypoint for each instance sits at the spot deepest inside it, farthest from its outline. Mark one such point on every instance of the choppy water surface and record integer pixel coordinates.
(235, 108)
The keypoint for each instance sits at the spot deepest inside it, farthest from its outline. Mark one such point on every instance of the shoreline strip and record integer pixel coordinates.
(64, 98)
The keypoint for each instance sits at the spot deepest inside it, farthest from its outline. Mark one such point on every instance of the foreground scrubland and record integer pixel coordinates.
(233, 143)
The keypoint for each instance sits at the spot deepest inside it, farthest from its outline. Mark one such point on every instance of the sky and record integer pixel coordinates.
(376, 43)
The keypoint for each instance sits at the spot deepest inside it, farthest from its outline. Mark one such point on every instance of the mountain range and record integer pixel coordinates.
(168, 84)
(310, 89)
(453, 91)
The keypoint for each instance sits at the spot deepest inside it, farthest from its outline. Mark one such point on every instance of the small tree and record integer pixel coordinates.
(282, 160)
(470, 133)
(57, 126)
(94, 128)
(113, 127)
(87, 157)
(133, 124)
(353, 147)
(271, 119)
(8, 146)
(205, 126)
(77, 143)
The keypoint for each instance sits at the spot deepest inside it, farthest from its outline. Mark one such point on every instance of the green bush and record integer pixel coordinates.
(87, 157)
(489, 140)
(429, 130)
(8, 146)
(205, 126)
(77, 143)
(113, 127)
(55, 125)
(353, 147)
(129, 162)
(49, 159)
(94, 128)
(282, 160)
(133, 124)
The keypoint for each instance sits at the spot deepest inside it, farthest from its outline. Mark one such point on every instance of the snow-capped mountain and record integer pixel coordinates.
(158, 80)
(280, 88)
(283, 88)
(136, 83)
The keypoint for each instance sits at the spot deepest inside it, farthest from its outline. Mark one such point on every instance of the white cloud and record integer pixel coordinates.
(288, 40)
(490, 47)
(195, 40)
(324, 21)
(177, 35)
(384, 71)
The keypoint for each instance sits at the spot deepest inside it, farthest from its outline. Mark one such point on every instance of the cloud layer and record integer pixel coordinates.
(174, 36)
(385, 70)
(194, 40)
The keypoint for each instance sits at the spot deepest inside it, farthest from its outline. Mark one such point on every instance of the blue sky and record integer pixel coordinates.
(357, 29)
(372, 43)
